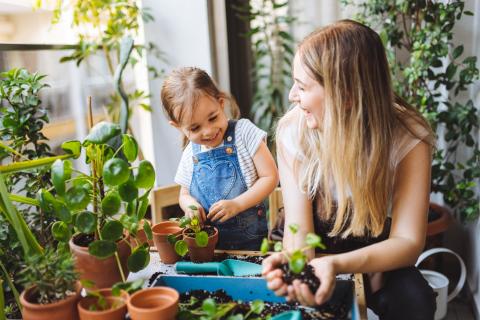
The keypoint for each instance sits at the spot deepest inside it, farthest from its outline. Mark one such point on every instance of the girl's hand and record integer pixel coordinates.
(223, 210)
(273, 275)
(325, 272)
(192, 213)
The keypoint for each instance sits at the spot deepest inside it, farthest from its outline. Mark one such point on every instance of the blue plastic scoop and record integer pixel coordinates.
(288, 315)
(228, 267)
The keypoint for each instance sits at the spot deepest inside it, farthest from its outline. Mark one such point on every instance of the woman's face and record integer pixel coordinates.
(308, 94)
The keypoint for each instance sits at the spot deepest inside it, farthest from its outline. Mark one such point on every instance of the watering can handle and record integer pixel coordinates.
(463, 269)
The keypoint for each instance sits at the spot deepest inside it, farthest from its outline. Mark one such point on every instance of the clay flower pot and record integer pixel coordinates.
(117, 307)
(161, 231)
(63, 309)
(103, 272)
(153, 304)
(201, 254)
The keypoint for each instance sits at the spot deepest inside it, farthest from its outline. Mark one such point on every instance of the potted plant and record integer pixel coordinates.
(432, 73)
(199, 240)
(165, 235)
(52, 287)
(296, 266)
(103, 304)
(102, 208)
(154, 303)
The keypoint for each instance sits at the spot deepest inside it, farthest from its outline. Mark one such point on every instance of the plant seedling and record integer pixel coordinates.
(193, 224)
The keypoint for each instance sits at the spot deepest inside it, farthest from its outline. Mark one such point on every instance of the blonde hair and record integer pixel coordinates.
(182, 89)
(352, 149)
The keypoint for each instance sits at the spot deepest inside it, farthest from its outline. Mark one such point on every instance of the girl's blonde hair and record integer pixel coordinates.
(182, 89)
(352, 150)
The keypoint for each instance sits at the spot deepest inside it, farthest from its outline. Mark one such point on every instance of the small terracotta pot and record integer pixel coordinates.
(116, 313)
(103, 272)
(201, 254)
(153, 304)
(141, 236)
(63, 309)
(161, 231)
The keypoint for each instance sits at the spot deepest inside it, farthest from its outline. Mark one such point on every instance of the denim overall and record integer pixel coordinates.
(217, 176)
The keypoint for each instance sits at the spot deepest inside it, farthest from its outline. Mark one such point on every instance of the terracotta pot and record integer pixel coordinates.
(118, 312)
(141, 236)
(103, 272)
(153, 304)
(201, 254)
(166, 249)
(442, 223)
(63, 309)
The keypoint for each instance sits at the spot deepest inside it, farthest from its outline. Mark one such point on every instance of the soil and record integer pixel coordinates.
(83, 240)
(306, 276)
(153, 278)
(208, 229)
(324, 312)
(218, 257)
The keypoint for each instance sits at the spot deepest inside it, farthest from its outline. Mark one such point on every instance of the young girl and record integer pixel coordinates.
(226, 169)
(354, 163)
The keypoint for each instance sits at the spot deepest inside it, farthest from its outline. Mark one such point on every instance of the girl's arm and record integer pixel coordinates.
(185, 200)
(265, 184)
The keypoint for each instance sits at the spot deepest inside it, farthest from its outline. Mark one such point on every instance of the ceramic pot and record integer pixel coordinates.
(165, 249)
(117, 307)
(153, 304)
(201, 254)
(63, 309)
(103, 272)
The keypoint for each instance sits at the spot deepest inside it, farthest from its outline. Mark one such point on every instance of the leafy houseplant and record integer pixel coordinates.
(208, 309)
(432, 73)
(272, 49)
(297, 267)
(103, 206)
(199, 240)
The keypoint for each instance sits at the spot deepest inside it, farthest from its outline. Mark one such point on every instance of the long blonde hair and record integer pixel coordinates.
(351, 152)
(182, 89)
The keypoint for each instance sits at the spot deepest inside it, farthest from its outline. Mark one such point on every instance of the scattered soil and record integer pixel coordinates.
(154, 277)
(208, 229)
(218, 257)
(325, 312)
(307, 276)
(83, 240)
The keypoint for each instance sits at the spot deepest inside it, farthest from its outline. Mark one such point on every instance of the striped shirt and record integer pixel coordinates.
(247, 140)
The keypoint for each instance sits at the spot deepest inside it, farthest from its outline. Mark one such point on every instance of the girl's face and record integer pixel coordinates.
(308, 94)
(208, 123)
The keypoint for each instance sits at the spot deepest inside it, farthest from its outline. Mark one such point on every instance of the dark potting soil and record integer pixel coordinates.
(153, 277)
(325, 312)
(208, 229)
(307, 276)
(83, 240)
(218, 257)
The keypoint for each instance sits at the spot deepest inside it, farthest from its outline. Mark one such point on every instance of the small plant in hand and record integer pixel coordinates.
(297, 267)
(194, 229)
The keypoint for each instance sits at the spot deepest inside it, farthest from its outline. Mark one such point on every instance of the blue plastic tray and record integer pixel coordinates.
(248, 289)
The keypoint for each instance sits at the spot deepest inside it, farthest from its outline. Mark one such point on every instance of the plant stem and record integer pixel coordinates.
(11, 285)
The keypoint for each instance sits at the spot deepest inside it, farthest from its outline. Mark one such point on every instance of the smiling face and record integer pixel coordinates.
(208, 123)
(308, 94)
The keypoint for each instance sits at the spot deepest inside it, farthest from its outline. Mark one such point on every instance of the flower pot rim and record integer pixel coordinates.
(31, 305)
(82, 248)
(162, 289)
(81, 308)
(209, 237)
(167, 224)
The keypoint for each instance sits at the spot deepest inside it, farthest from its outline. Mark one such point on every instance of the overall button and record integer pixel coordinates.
(229, 138)
(229, 150)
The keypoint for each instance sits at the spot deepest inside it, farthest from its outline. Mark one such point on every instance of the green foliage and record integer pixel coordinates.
(201, 237)
(297, 259)
(272, 51)
(432, 73)
(52, 272)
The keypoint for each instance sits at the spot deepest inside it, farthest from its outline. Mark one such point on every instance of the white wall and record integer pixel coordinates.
(181, 31)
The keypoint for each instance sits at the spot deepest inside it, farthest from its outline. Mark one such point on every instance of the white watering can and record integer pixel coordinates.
(439, 282)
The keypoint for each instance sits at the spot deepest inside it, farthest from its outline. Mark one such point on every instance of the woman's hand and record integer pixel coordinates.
(325, 271)
(273, 275)
(223, 210)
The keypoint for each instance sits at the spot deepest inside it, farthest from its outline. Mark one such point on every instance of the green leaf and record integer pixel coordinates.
(61, 171)
(77, 198)
(209, 307)
(145, 176)
(85, 222)
(46, 200)
(451, 70)
(111, 203)
(201, 239)
(147, 229)
(314, 241)
(278, 246)
(115, 172)
(130, 147)
(62, 212)
(112, 230)
(102, 132)
(72, 147)
(138, 260)
(297, 262)
(128, 192)
(265, 246)
(293, 228)
(181, 248)
(60, 231)
(102, 249)
(457, 52)
(257, 306)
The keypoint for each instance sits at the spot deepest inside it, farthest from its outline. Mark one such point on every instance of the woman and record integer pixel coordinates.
(354, 164)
